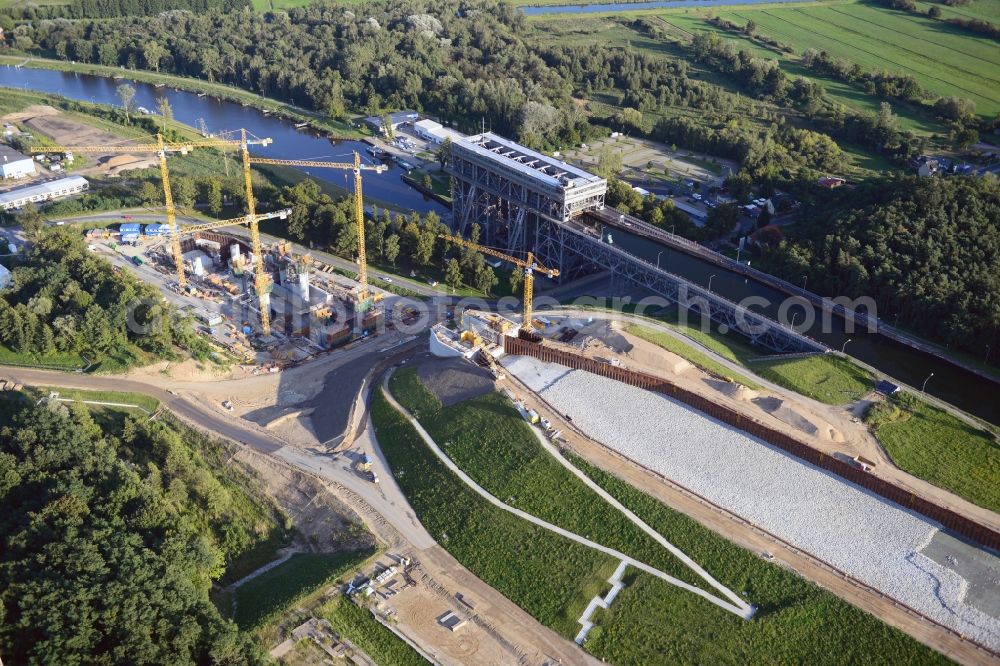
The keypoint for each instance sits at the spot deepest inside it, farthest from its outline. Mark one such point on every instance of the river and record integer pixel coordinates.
(220, 115)
(949, 383)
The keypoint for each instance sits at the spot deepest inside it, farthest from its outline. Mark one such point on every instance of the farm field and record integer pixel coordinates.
(944, 59)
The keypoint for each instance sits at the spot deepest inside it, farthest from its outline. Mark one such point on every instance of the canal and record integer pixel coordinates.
(950, 383)
(219, 115)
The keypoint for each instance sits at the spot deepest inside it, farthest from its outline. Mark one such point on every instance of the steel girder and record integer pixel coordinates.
(574, 252)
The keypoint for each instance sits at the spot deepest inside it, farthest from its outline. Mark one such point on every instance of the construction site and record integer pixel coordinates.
(790, 480)
(264, 305)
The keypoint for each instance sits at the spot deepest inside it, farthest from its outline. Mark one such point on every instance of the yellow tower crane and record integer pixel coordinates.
(529, 266)
(161, 148)
(359, 209)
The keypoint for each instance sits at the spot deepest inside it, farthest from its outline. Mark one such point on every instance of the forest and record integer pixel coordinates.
(110, 539)
(78, 9)
(65, 299)
(926, 249)
(481, 61)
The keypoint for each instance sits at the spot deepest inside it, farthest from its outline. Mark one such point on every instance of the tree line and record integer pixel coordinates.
(66, 299)
(926, 249)
(110, 539)
(409, 241)
(97, 9)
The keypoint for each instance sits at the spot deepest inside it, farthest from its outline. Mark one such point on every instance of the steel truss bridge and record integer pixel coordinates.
(525, 201)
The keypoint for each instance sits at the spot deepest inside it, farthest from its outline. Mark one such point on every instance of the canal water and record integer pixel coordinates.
(950, 383)
(220, 116)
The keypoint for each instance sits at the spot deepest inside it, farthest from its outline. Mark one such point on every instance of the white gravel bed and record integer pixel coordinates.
(873, 540)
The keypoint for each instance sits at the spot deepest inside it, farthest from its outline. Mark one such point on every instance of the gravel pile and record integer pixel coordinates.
(873, 540)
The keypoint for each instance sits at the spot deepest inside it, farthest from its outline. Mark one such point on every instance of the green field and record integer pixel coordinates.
(827, 378)
(945, 60)
(934, 445)
(357, 625)
(686, 351)
(489, 441)
(262, 599)
(550, 577)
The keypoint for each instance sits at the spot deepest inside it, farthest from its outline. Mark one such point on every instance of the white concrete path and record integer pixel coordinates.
(743, 609)
(659, 538)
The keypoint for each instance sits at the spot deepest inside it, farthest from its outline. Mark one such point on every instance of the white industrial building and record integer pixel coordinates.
(433, 131)
(53, 189)
(15, 165)
(5, 277)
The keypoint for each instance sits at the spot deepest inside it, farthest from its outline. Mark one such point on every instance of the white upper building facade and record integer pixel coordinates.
(15, 165)
(53, 189)
(434, 132)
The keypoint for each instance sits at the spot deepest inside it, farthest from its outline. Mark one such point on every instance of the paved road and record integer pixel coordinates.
(191, 412)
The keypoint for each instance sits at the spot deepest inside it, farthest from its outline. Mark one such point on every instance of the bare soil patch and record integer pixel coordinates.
(454, 380)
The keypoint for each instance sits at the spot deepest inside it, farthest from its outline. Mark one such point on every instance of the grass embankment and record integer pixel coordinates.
(827, 378)
(933, 445)
(55, 361)
(440, 182)
(487, 438)
(653, 622)
(550, 577)
(220, 90)
(144, 402)
(261, 599)
(685, 351)
(357, 625)
(796, 622)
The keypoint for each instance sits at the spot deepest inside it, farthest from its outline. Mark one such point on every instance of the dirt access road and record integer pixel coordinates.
(499, 626)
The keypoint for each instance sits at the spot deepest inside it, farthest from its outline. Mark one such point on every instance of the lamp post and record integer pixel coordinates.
(710, 282)
(986, 359)
(794, 316)
(805, 278)
(925, 382)
(738, 250)
(658, 258)
(844, 346)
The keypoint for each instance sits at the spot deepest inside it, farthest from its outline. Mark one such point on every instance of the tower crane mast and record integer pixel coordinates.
(529, 266)
(161, 148)
(359, 207)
